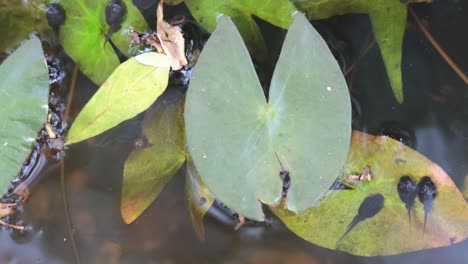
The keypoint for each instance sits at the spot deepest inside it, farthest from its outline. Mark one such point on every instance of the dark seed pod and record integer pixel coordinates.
(55, 15)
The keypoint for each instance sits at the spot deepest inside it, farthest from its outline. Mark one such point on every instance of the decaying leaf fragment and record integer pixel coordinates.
(171, 40)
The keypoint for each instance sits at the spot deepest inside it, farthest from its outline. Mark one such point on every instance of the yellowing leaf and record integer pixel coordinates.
(199, 199)
(130, 90)
(389, 227)
(148, 170)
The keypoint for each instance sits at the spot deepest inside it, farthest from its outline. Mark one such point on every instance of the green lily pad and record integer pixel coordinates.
(388, 18)
(147, 170)
(130, 90)
(83, 36)
(24, 96)
(199, 199)
(276, 12)
(393, 229)
(234, 135)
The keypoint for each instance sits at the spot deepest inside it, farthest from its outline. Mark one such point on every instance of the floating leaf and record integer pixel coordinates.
(234, 135)
(383, 233)
(130, 90)
(148, 170)
(83, 36)
(388, 18)
(24, 93)
(276, 12)
(199, 199)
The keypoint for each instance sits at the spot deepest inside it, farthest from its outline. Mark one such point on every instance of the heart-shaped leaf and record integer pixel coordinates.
(130, 90)
(83, 36)
(276, 12)
(24, 90)
(236, 138)
(148, 170)
(399, 224)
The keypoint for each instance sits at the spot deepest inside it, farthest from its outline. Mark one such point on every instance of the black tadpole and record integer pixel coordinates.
(115, 13)
(427, 192)
(407, 190)
(284, 175)
(55, 16)
(368, 208)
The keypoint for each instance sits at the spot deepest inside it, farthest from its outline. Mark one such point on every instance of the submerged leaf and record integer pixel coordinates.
(235, 136)
(83, 36)
(388, 18)
(19, 20)
(380, 231)
(24, 90)
(276, 12)
(199, 199)
(148, 170)
(130, 90)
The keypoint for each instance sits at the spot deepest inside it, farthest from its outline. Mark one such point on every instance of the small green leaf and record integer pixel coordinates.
(234, 135)
(383, 233)
(276, 12)
(130, 90)
(147, 170)
(84, 32)
(24, 90)
(199, 199)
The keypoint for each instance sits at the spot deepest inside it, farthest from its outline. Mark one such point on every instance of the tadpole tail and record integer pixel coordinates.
(425, 221)
(111, 31)
(351, 225)
(409, 216)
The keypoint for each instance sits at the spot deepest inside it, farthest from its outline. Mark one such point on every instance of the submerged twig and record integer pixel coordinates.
(439, 49)
(63, 187)
(362, 53)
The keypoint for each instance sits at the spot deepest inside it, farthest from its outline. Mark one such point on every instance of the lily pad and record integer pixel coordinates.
(199, 199)
(24, 93)
(130, 90)
(83, 36)
(147, 170)
(382, 234)
(276, 12)
(236, 138)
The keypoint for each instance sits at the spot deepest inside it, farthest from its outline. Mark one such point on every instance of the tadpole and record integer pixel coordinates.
(115, 13)
(368, 208)
(407, 190)
(284, 175)
(55, 15)
(427, 192)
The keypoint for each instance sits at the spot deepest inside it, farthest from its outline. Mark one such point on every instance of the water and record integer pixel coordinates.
(434, 116)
